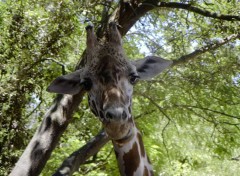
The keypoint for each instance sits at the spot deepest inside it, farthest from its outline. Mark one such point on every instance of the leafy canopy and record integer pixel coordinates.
(189, 115)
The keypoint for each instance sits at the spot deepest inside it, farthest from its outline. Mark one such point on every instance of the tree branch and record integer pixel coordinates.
(128, 13)
(47, 59)
(191, 8)
(210, 110)
(107, 5)
(236, 158)
(209, 47)
(73, 162)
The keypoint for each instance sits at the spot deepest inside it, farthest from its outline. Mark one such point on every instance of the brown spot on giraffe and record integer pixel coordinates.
(145, 171)
(131, 160)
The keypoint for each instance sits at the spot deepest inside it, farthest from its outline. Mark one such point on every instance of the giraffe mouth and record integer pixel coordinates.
(125, 139)
(118, 130)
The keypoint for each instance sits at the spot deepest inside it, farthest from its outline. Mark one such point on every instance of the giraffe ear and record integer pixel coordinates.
(150, 66)
(66, 84)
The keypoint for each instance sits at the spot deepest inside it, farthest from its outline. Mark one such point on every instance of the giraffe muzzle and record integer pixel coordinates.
(116, 114)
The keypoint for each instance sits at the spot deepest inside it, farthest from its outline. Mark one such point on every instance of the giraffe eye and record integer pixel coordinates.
(133, 79)
(86, 83)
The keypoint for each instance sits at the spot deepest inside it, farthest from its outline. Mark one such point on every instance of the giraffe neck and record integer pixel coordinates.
(131, 156)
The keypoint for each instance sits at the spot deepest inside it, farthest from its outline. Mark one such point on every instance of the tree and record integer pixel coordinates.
(199, 86)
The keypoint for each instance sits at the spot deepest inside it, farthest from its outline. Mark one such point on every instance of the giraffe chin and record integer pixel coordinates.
(118, 130)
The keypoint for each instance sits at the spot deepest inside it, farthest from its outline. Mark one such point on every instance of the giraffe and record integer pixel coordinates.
(108, 77)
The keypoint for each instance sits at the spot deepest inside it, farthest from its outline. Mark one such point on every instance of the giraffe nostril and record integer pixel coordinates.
(124, 115)
(109, 115)
(116, 114)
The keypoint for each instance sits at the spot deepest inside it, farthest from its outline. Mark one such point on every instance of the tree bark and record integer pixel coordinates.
(77, 158)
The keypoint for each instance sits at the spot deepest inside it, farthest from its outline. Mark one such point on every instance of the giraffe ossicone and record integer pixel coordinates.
(108, 77)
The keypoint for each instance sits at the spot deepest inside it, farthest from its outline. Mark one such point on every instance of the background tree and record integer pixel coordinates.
(189, 116)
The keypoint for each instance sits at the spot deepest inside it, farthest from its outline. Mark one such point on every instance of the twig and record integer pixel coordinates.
(237, 158)
(209, 47)
(48, 59)
(164, 143)
(207, 109)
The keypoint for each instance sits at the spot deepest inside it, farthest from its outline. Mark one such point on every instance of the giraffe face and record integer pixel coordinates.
(108, 77)
(110, 94)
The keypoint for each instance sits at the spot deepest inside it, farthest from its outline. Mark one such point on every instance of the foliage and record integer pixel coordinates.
(189, 115)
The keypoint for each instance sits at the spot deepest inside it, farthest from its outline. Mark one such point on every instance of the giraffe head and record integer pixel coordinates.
(108, 77)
